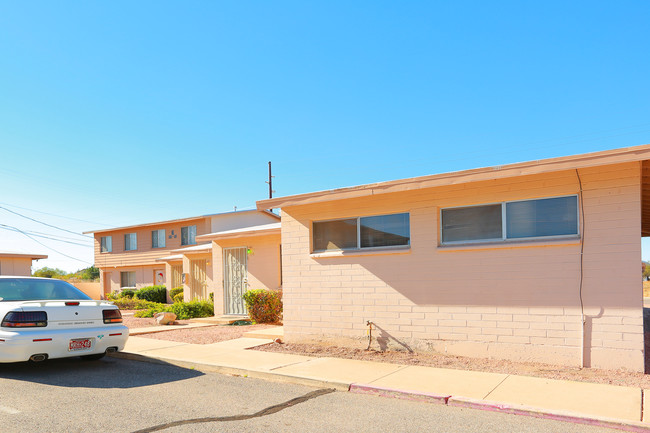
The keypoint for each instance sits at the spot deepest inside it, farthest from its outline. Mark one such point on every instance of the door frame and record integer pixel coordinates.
(230, 307)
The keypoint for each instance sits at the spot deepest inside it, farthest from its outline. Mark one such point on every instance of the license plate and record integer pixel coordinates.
(80, 344)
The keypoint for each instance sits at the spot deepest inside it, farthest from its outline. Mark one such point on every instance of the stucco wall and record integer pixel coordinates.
(92, 289)
(263, 264)
(19, 266)
(515, 301)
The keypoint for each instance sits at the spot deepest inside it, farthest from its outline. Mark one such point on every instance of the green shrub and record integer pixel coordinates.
(175, 291)
(183, 310)
(127, 293)
(264, 306)
(153, 294)
(131, 303)
(153, 309)
(192, 309)
(179, 297)
(212, 297)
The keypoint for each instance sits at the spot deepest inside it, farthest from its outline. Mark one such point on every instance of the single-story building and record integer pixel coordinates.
(19, 264)
(535, 261)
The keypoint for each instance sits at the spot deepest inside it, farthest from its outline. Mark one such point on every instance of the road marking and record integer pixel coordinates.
(9, 410)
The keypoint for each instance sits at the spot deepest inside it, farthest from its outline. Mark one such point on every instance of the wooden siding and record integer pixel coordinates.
(144, 255)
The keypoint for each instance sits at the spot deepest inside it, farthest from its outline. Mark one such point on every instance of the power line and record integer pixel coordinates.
(50, 248)
(56, 215)
(46, 224)
(16, 229)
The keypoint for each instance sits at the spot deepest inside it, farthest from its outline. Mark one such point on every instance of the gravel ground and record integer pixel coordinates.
(622, 378)
(214, 334)
(206, 335)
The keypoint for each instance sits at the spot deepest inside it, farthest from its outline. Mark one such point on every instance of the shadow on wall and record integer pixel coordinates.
(586, 342)
(383, 339)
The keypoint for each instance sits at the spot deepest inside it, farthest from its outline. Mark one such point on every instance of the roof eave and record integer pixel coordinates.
(616, 156)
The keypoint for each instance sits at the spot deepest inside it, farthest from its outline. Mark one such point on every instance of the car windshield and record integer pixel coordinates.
(27, 289)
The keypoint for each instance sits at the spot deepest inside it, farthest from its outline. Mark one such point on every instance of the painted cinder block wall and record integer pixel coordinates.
(511, 301)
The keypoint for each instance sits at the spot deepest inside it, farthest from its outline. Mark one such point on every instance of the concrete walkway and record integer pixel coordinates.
(587, 403)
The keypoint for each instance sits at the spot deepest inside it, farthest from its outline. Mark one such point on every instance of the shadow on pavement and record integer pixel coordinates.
(103, 374)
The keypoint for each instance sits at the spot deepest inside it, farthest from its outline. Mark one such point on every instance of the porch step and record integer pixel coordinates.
(219, 320)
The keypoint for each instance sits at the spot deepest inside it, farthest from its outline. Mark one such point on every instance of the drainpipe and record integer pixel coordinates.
(582, 251)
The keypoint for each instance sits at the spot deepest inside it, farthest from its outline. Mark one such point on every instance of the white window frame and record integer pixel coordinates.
(133, 241)
(504, 237)
(157, 234)
(359, 247)
(109, 244)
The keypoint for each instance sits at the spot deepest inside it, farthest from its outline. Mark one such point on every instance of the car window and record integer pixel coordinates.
(26, 289)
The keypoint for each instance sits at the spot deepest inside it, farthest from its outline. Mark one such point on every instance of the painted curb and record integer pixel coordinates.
(461, 402)
(535, 412)
(401, 394)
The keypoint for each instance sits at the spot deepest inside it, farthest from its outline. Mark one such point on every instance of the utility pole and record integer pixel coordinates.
(270, 182)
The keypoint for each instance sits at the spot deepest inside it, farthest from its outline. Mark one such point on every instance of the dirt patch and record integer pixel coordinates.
(206, 335)
(621, 378)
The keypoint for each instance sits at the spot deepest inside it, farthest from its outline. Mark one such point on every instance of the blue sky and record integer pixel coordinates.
(118, 113)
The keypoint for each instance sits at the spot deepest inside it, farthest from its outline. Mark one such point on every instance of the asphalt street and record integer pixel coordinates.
(119, 395)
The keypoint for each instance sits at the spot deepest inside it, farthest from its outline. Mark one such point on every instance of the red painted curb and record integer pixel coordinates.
(401, 394)
(539, 413)
(470, 403)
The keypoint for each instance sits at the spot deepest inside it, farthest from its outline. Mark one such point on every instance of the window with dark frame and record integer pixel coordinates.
(523, 219)
(378, 231)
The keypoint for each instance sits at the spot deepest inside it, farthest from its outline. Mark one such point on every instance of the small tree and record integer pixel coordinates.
(49, 273)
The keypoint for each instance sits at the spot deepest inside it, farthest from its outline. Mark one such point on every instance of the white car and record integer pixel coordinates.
(45, 318)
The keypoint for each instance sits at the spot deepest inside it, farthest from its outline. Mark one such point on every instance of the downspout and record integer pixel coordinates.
(582, 250)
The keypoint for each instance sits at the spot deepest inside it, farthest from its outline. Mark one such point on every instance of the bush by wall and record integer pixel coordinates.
(175, 291)
(264, 306)
(178, 298)
(183, 310)
(127, 293)
(153, 294)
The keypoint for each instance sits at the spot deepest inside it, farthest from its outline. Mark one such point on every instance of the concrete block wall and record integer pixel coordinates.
(517, 301)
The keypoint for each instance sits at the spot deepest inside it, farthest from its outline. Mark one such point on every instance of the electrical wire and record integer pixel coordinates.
(36, 234)
(56, 215)
(50, 248)
(46, 224)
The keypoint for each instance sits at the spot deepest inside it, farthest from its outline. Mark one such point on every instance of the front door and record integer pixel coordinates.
(235, 279)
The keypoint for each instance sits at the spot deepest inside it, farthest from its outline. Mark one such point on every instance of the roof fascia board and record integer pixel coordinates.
(607, 157)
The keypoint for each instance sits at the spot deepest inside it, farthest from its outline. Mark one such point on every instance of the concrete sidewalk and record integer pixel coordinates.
(587, 403)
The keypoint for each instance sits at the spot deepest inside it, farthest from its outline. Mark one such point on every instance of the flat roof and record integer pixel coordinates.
(615, 156)
(180, 220)
(260, 230)
(22, 255)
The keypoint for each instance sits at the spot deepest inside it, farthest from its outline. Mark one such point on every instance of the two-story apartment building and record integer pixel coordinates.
(166, 252)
